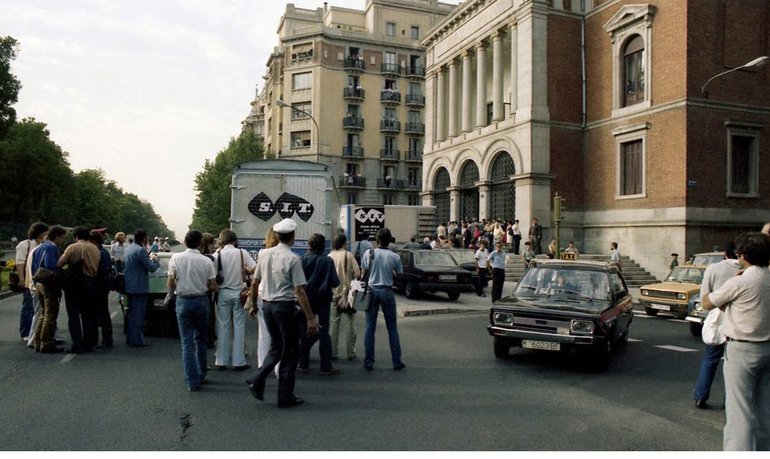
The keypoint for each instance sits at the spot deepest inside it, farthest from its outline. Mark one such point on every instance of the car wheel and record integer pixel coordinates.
(696, 329)
(453, 295)
(651, 312)
(411, 291)
(502, 348)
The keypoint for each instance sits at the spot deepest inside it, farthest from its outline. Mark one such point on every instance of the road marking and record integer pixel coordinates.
(633, 340)
(681, 321)
(676, 348)
(68, 357)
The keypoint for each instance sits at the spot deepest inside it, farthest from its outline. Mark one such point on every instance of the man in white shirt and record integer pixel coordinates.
(35, 236)
(191, 275)
(481, 266)
(236, 265)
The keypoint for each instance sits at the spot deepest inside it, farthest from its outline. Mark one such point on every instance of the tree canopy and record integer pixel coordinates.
(9, 84)
(212, 184)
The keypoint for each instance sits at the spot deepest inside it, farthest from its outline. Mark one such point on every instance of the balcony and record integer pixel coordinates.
(415, 71)
(388, 183)
(352, 181)
(391, 69)
(355, 123)
(354, 64)
(415, 128)
(390, 126)
(412, 185)
(390, 154)
(389, 96)
(413, 155)
(352, 152)
(415, 100)
(351, 93)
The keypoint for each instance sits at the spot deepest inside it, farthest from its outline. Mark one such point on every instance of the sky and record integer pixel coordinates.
(145, 90)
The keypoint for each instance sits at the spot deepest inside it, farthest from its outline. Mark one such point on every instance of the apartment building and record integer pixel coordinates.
(346, 87)
(601, 101)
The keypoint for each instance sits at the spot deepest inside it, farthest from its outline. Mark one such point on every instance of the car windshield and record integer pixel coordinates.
(686, 274)
(162, 270)
(463, 256)
(434, 258)
(576, 284)
(707, 259)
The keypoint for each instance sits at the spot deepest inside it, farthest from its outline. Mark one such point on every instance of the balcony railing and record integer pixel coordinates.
(414, 128)
(355, 63)
(391, 154)
(390, 126)
(353, 122)
(415, 100)
(412, 185)
(353, 152)
(415, 71)
(353, 93)
(391, 68)
(352, 181)
(390, 183)
(390, 96)
(412, 155)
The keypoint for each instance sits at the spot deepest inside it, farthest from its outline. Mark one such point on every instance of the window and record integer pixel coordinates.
(301, 81)
(631, 168)
(300, 139)
(389, 145)
(299, 108)
(353, 110)
(742, 163)
(415, 145)
(414, 116)
(415, 89)
(389, 114)
(387, 199)
(413, 199)
(633, 72)
(390, 29)
(415, 32)
(352, 198)
(413, 176)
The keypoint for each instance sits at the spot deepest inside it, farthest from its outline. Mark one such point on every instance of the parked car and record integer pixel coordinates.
(706, 258)
(466, 259)
(676, 294)
(431, 271)
(564, 306)
(160, 316)
(696, 317)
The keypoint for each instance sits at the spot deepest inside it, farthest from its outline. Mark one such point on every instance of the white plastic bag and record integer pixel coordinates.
(712, 328)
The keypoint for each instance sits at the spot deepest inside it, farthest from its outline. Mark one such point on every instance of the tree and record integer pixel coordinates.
(212, 184)
(9, 84)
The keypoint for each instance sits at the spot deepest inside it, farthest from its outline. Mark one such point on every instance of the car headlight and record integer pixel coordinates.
(645, 293)
(503, 318)
(583, 327)
(698, 306)
(681, 296)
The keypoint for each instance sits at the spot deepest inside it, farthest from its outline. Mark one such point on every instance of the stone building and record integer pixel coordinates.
(601, 102)
(346, 87)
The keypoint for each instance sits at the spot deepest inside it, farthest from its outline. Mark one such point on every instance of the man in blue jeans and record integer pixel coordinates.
(713, 278)
(191, 275)
(381, 264)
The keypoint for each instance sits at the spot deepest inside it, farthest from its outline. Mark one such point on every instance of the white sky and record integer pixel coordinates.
(146, 90)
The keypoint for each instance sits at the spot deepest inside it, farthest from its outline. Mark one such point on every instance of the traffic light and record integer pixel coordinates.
(558, 207)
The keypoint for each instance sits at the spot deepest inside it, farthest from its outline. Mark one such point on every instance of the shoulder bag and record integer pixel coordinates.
(342, 303)
(712, 333)
(245, 291)
(360, 297)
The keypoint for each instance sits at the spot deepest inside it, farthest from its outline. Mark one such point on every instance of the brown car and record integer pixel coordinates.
(676, 294)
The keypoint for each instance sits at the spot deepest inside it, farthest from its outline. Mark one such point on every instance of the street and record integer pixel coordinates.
(453, 395)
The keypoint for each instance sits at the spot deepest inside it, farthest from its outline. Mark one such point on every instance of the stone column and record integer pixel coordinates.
(466, 108)
(481, 85)
(514, 67)
(440, 105)
(497, 77)
(484, 201)
(452, 122)
(454, 204)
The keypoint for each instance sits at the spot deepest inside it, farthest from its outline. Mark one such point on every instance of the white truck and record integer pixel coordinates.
(362, 222)
(266, 192)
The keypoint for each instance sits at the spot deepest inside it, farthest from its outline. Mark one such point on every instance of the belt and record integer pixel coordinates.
(191, 296)
(285, 302)
(746, 341)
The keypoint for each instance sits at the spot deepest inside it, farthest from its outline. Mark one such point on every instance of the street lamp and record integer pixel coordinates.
(758, 62)
(281, 103)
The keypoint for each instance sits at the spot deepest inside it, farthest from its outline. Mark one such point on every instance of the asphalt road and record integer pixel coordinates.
(453, 395)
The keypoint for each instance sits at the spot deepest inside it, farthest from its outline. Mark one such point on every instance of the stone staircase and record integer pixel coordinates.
(634, 275)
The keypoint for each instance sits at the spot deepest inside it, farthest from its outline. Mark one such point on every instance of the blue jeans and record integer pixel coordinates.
(382, 297)
(323, 309)
(708, 368)
(27, 311)
(137, 307)
(192, 314)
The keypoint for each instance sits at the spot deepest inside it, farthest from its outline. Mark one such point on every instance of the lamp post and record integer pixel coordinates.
(758, 62)
(281, 103)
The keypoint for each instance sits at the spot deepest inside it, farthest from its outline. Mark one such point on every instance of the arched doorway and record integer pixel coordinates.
(441, 197)
(502, 193)
(469, 192)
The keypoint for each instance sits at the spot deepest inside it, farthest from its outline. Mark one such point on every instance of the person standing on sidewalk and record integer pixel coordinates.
(236, 266)
(280, 270)
(482, 254)
(745, 300)
(138, 266)
(192, 276)
(496, 262)
(35, 236)
(382, 263)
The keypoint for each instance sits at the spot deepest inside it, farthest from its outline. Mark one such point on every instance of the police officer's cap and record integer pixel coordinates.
(285, 226)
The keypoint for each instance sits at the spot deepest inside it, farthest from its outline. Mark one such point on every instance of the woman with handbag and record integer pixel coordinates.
(342, 311)
(236, 266)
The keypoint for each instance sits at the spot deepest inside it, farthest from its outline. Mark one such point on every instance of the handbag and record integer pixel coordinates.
(360, 297)
(245, 291)
(47, 277)
(712, 328)
(14, 282)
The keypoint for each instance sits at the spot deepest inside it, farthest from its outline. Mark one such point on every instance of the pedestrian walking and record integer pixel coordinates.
(496, 263)
(192, 276)
(138, 266)
(342, 313)
(258, 308)
(382, 264)
(615, 255)
(280, 270)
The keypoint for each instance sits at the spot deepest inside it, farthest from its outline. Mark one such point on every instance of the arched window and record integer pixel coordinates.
(469, 192)
(502, 192)
(633, 71)
(441, 195)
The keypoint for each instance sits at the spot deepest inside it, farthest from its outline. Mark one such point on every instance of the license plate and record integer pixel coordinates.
(542, 345)
(447, 277)
(662, 307)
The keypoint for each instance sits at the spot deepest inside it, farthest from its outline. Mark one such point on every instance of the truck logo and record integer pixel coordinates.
(370, 215)
(286, 206)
